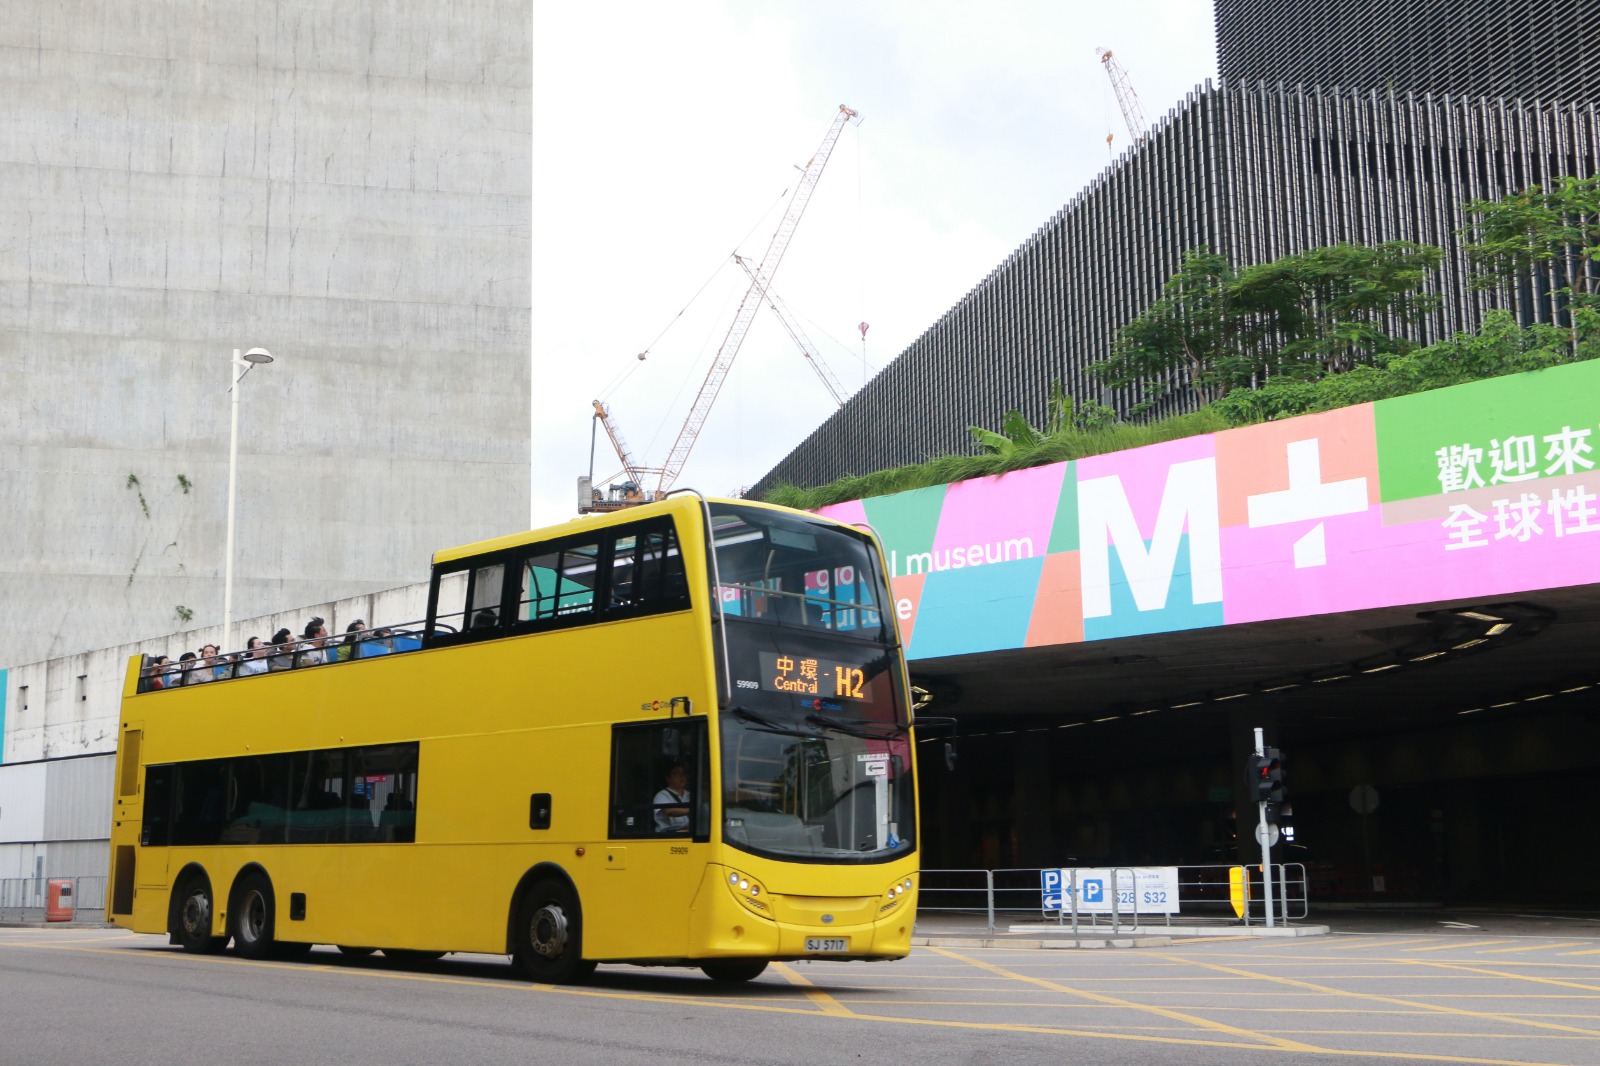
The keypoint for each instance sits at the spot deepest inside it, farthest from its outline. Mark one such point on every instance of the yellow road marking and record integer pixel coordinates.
(1447, 946)
(1510, 976)
(1536, 947)
(1414, 1004)
(1370, 944)
(827, 1003)
(1592, 951)
(1171, 1015)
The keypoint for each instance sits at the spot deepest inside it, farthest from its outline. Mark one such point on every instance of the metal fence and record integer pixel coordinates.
(1205, 897)
(80, 900)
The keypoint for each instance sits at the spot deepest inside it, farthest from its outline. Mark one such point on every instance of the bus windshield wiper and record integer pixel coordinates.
(851, 730)
(767, 724)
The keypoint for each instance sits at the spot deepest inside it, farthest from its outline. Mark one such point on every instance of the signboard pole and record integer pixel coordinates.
(1264, 834)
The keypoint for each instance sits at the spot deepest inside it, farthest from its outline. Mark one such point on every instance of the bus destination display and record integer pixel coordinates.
(802, 676)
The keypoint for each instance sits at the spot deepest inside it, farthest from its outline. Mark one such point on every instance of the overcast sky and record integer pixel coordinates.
(666, 135)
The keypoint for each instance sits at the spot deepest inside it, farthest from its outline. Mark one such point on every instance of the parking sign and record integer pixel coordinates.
(1136, 890)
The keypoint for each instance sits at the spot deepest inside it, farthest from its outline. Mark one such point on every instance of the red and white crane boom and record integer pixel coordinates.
(801, 341)
(760, 279)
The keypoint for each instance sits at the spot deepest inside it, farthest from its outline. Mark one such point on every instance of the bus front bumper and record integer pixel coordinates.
(730, 922)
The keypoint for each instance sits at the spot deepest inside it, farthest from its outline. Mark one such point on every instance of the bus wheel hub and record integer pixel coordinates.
(197, 914)
(550, 931)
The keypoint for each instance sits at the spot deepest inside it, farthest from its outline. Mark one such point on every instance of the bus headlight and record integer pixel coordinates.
(747, 890)
(895, 894)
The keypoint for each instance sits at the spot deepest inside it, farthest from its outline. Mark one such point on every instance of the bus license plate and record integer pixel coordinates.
(824, 945)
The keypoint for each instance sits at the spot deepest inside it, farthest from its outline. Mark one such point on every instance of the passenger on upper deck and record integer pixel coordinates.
(283, 643)
(484, 619)
(350, 645)
(253, 660)
(186, 663)
(315, 638)
(204, 668)
(152, 674)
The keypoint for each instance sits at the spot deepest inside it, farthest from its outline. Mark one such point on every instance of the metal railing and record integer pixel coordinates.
(291, 655)
(42, 899)
(1205, 897)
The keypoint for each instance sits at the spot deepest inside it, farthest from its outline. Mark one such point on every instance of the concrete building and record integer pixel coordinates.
(345, 185)
(1268, 163)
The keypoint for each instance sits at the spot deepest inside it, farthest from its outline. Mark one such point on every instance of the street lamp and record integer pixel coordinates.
(241, 365)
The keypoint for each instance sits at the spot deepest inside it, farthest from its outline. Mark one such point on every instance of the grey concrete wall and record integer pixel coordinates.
(69, 705)
(347, 185)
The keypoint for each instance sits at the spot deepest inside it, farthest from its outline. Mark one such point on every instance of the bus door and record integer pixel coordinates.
(660, 826)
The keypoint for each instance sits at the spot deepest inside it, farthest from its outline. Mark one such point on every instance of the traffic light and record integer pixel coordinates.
(1266, 772)
(1261, 778)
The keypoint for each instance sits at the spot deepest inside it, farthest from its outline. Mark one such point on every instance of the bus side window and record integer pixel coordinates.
(451, 613)
(470, 600)
(488, 590)
(538, 599)
(559, 582)
(391, 776)
(643, 755)
(156, 830)
(647, 572)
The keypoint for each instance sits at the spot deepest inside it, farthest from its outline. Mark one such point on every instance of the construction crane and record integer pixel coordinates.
(760, 280)
(803, 342)
(1127, 99)
(620, 495)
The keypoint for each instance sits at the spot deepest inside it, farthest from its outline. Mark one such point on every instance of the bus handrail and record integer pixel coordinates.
(226, 665)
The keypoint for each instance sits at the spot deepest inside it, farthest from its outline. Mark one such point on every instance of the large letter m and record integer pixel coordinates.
(1106, 520)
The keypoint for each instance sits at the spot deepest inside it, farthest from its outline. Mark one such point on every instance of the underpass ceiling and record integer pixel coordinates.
(1126, 679)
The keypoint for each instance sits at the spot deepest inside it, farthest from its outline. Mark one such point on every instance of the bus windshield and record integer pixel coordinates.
(816, 760)
(787, 570)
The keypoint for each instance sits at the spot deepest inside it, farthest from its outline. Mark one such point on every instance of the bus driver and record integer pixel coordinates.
(672, 802)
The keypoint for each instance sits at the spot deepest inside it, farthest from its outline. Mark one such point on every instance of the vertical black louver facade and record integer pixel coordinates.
(1528, 49)
(1251, 170)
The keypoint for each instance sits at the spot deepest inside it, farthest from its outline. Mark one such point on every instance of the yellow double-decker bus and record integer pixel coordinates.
(678, 734)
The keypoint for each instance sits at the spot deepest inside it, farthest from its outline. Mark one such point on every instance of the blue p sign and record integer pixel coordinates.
(1049, 881)
(1094, 891)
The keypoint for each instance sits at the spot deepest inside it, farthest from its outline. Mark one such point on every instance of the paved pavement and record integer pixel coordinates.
(1404, 988)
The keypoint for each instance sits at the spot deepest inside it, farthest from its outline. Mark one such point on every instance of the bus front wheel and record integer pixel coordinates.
(252, 917)
(733, 971)
(192, 924)
(547, 934)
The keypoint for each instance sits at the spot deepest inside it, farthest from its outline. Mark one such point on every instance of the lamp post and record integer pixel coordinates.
(241, 365)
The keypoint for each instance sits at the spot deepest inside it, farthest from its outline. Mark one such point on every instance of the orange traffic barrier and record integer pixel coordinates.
(58, 902)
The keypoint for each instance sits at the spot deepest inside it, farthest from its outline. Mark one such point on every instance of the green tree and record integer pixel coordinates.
(1328, 310)
(1321, 311)
(1188, 331)
(1518, 236)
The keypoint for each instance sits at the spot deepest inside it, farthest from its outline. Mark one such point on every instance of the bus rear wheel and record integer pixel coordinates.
(733, 971)
(253, 916)
(547, 934)
(191, 925)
